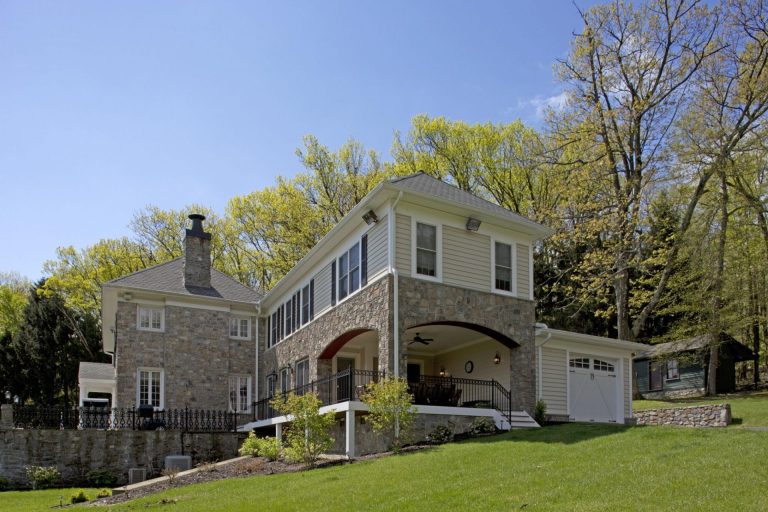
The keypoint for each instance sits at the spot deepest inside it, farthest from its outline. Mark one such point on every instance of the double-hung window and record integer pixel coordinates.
(305, 305)
(426, 249)
(271, 385)
(349, 271)
(503, 266)
(285, 380)
(239, 327)
(288, 317)
(240, 393)
(150, 318)
(150, 387)
(302, 375)
(673, 373)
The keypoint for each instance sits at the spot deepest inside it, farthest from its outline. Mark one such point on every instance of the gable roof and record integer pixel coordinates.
(169, 278)
(96, 371)
(695, 344)
(424, 184)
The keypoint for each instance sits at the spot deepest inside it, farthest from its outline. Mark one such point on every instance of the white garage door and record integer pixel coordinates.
(593, 388)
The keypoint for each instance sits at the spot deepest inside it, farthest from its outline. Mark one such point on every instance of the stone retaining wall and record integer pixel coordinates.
(75, 452)
(718, 415)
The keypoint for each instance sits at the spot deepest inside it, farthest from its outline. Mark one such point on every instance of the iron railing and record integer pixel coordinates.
(187, 420)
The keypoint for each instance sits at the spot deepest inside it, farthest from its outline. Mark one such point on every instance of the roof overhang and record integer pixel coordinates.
(588, 340)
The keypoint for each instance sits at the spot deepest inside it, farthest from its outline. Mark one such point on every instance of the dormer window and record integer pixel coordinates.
(426, 249)
(150, 318)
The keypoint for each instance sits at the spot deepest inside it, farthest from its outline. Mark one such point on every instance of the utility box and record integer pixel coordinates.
(136, 475)
(178, 462)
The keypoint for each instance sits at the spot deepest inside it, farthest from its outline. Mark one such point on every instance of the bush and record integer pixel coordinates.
(4, 484)
(441, 434)
(101, 478)
(391, 408)
(104, 493)
(540, 412)
(42, 477)
(309, 433)
(482, 425)
(79, 497)
(268, 447)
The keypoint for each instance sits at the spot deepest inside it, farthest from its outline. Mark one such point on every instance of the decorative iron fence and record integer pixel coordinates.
(187, 420)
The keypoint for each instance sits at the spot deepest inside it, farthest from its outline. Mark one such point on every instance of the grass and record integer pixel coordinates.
(575, 467)
(747, 410)
(39, 500)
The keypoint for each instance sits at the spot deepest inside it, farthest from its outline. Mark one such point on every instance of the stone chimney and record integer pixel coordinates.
(197, 254)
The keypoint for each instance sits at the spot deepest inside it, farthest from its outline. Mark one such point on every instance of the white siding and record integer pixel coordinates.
(523, 272)
(323, 289)
(554, 384)
(403, 244)
(627, 392)
(377, 248)
(466, 259)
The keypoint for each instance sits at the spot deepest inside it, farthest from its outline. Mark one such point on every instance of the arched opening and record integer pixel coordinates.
(350, 362)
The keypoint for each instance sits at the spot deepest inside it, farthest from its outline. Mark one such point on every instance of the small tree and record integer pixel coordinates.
(391, 408)
(309, 432)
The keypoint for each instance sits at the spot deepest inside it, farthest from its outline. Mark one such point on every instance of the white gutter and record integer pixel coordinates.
(393, 272)
(256, 368)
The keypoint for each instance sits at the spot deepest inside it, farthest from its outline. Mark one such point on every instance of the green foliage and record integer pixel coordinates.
(42, 477)
(268, 447)
(540, 412)
(4, 484)
(101, 478)
(104, 493)
(308, 434)
(441, 434)
(79, 497)
(482, 425)
(13, 297)
(390, 408)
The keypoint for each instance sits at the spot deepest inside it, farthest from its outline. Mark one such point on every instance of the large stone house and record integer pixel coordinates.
(420, 280)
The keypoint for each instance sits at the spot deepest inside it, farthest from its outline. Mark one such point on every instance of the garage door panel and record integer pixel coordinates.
(593, 388)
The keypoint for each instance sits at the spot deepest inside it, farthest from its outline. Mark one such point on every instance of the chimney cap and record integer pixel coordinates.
(197, 226)
(196, 216)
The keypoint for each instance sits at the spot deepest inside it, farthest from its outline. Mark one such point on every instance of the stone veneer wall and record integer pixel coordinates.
(718, 415)
(424, 301)
(367, 309)
(194, 351)
(75, 452)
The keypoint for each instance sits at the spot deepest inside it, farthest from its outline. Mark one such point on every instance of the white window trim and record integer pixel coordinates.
(284, 371)
(162, 385)
(513, 249)
(249, 398)
(438, 278)
(248, 330)
(359, 270)
(666, 371)
(161, 309)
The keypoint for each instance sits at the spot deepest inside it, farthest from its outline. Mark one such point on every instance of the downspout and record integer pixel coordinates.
(396, 301)
(256, 369)
(537, 328)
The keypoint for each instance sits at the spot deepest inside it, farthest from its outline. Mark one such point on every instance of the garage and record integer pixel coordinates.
(584, 378)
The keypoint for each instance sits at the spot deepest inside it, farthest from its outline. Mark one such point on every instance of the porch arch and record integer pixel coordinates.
(487, 331)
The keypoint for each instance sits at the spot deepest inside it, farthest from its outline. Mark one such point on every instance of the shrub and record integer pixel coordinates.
(104, 493)
(309, 433)
(482, 425)
(441, 434)
(391, 408)
(268, 447)
(42, 477)
(540, 412)
(101, 478)
(79, 497)
(4, 484)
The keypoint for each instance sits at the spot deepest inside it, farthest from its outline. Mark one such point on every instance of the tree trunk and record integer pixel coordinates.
(753, 298)
(717, 288)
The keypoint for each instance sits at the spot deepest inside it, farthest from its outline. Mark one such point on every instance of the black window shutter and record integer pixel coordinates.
(364, 261)
(281, 321)
(296, 321)
(269, 330)
(311, 299)
(333, 283)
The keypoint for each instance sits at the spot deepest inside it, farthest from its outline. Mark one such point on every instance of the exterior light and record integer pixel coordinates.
(496, 358)
(370, 217)
(473, 224)
(442, 371)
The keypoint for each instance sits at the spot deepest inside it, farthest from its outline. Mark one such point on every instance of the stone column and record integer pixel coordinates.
(6, 417)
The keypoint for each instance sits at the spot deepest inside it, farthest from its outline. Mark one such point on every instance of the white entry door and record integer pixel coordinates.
(593, 389)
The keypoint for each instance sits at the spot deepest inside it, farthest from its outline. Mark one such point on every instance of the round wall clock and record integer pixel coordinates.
(469, 366)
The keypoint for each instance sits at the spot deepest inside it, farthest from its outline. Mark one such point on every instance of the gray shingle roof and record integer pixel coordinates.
(96, 371)
(169, 278)
(426, 184)
(697, 343)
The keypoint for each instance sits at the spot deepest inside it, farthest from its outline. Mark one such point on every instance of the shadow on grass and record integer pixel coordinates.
(565, 433)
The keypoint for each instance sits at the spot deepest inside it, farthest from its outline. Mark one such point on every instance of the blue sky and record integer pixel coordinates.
(107, 107)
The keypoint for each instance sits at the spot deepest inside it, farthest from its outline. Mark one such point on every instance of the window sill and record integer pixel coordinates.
(147, 329)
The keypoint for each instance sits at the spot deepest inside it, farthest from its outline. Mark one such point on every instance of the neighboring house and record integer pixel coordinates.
(420, 280)
(679, 368)
(181, 335)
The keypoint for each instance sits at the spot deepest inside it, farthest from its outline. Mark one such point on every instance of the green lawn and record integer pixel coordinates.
(748, 410)
(38, 500)
(575, 467)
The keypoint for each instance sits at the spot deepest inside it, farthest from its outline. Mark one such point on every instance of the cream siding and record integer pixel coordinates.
(466, 259)
(403, 244)
(523, 272)
(627, 387)
(323, 289)
(377, 248)
(554, 383)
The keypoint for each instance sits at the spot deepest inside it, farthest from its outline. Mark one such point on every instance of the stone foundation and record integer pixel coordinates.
(718, 415)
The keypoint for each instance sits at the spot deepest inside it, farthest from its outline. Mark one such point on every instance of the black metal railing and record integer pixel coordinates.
(428, 390)
(187, 420)
(340, 387)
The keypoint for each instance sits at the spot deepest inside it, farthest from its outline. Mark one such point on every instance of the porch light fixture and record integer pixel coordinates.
(473, 224)
(370, 217)
(496, 358)
(442, 371)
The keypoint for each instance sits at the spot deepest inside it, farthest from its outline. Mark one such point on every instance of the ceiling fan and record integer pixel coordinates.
(419, 339)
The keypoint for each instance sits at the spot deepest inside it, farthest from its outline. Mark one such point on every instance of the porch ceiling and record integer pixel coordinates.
(446, 338)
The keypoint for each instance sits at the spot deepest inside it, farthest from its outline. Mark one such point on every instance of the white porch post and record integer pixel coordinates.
(279, 431)
(349, 424)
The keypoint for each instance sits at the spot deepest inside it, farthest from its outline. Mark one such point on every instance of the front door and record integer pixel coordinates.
(344, 384)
